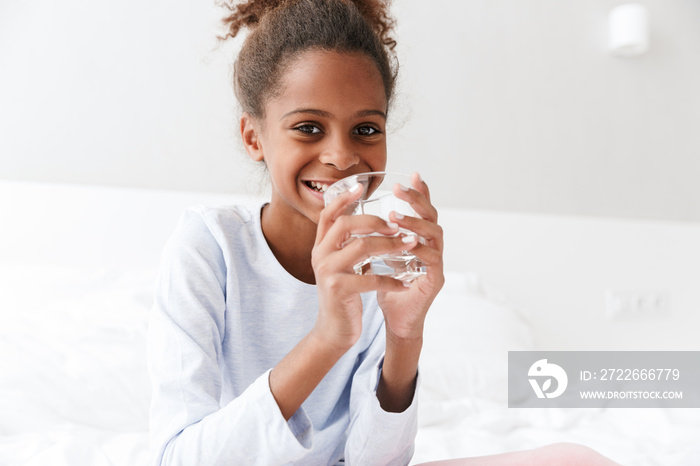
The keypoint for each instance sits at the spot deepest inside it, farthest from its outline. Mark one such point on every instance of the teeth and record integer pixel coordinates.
(318, 186)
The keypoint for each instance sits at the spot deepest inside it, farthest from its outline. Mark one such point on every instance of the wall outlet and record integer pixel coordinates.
(635, 305)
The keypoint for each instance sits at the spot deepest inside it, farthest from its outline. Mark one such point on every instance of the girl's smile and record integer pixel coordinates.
(318, 187)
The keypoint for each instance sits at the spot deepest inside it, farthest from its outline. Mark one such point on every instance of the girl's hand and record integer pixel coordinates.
(405, 313)
(339, 321)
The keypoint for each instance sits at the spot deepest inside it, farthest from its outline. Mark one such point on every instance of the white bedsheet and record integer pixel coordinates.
(74, 388)
(635, 437)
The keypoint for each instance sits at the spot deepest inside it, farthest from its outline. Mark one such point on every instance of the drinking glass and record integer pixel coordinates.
(378, 199)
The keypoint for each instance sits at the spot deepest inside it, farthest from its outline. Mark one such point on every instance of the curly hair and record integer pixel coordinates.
(282, 29)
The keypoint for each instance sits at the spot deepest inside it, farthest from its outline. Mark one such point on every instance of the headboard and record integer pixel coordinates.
(558, 269)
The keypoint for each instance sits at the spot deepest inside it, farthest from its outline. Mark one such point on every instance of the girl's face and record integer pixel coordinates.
(328, 122)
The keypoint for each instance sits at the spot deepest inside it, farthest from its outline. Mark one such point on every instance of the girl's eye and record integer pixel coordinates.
(366, 131)
(308, 129)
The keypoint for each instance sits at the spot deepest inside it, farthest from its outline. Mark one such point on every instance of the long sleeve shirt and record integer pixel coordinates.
(225, 313)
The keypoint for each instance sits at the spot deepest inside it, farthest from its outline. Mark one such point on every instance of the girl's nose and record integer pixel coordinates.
(340, 154)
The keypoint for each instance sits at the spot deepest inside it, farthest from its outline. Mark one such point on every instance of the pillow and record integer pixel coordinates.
(468, 333)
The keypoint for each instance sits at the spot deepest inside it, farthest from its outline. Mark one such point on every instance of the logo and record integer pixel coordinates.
(547, 371)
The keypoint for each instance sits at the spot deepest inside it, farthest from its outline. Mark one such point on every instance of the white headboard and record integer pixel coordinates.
(560, 269)
(556, 268)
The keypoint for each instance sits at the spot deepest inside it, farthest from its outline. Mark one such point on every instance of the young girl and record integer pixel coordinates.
(265, 347)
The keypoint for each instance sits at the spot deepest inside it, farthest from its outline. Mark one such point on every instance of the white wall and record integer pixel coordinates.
(504, 104)
(124, 93)
(519, 106)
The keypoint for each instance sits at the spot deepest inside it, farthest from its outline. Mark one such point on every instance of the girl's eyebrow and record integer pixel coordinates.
(364, 113)
(324, 114)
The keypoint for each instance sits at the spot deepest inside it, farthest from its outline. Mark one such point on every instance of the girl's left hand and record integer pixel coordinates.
(404, 312)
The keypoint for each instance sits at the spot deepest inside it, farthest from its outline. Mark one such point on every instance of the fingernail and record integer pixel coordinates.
(355, 188)
(398, 216)
(392, 225)
(408, 239)
(403, 188)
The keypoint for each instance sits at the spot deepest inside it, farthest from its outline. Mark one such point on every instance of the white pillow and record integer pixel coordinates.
(468, 333)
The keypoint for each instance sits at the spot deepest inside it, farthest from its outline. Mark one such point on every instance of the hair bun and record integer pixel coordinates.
(246, 14)
(249, 13)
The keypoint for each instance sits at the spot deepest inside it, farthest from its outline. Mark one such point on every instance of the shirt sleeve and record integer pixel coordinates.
(378, 437)
(186, 329)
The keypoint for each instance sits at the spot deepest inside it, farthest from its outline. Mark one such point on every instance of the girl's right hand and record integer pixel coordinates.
(335, 252)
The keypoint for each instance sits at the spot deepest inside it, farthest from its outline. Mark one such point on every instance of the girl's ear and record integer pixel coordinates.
(251, 137)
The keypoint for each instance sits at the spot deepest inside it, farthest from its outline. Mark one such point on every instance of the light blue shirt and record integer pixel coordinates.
(225, 313)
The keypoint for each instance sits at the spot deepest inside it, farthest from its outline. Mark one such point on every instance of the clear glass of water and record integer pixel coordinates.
(378, 199)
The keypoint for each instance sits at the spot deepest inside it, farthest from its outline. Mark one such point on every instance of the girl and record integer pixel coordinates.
(264, 346)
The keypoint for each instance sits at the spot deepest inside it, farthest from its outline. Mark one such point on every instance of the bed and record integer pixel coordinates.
(77, 267)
